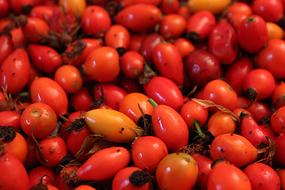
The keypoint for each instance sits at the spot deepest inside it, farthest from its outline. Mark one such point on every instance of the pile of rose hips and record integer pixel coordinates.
(142, 94)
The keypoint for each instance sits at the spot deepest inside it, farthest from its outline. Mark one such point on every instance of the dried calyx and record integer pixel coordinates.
(7, 133)
(76, 125)
(140, 177)
(39, 186)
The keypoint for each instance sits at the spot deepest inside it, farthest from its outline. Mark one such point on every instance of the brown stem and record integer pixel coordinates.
(211, 104)
(37, 145)
(2, 148)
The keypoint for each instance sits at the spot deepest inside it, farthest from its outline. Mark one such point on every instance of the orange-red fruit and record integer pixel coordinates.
(102, 64)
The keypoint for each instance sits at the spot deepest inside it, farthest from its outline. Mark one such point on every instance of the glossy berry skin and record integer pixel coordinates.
(172, 26)
(10, 118)
(147, 152)
(115, 126)
(4, 6)
(122, 180)
(76, 138)
(6, 47)
(38, 120)
(220, 93)
(82, 100)
(118, 157)
(46, 90)
(228, 176)
(255, 133)
(170, 127)
(223, 42)
(117, 37)
(242, 104)
(18, 147)
(202, 67)
(136, 42)
(277, 120)
(132, 64)
(262, 177)
(274, 31)
(214, 6)
(183, 11)
(168, 62)
(177, 170)
(258, 84)
(125, 3)
(169, 7)
(15, 71)
(111, 95)
(234, 148)
(75, 7)
(271, 11)
(133, 103)
(148, 44)
(164, 91)
(271, 57)
(69, 78)
(84, 187)
(35, 30)
(278, 96)
(18, 37)
(44, 58)
(221, 123)
(192, 111)
(236, 73)
(237, 12)
(102, 64)
(139, 17)
(259, 111)
(204, 164)
(45, 12)
(200, 25)
(8, 165)
(252, 34)
(184, 46)
(53, 150)
(77, 52)
(95, 21)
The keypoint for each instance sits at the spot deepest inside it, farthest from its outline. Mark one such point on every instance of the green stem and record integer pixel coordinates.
(24, 94)
(199, 130)
(152, 102)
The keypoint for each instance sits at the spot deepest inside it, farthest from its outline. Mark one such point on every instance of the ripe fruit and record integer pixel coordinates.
(177, 170)
(14, 71)
(227, 176)
(95, 21)
(38, 120)
(102, 64)
(148, 151)
(252, 34)
(114, 126)
(220, 93)
(119, 157)
(234, 148)
(46, 90)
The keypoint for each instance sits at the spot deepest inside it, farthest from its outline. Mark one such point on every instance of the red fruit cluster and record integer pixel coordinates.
(142, 94)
